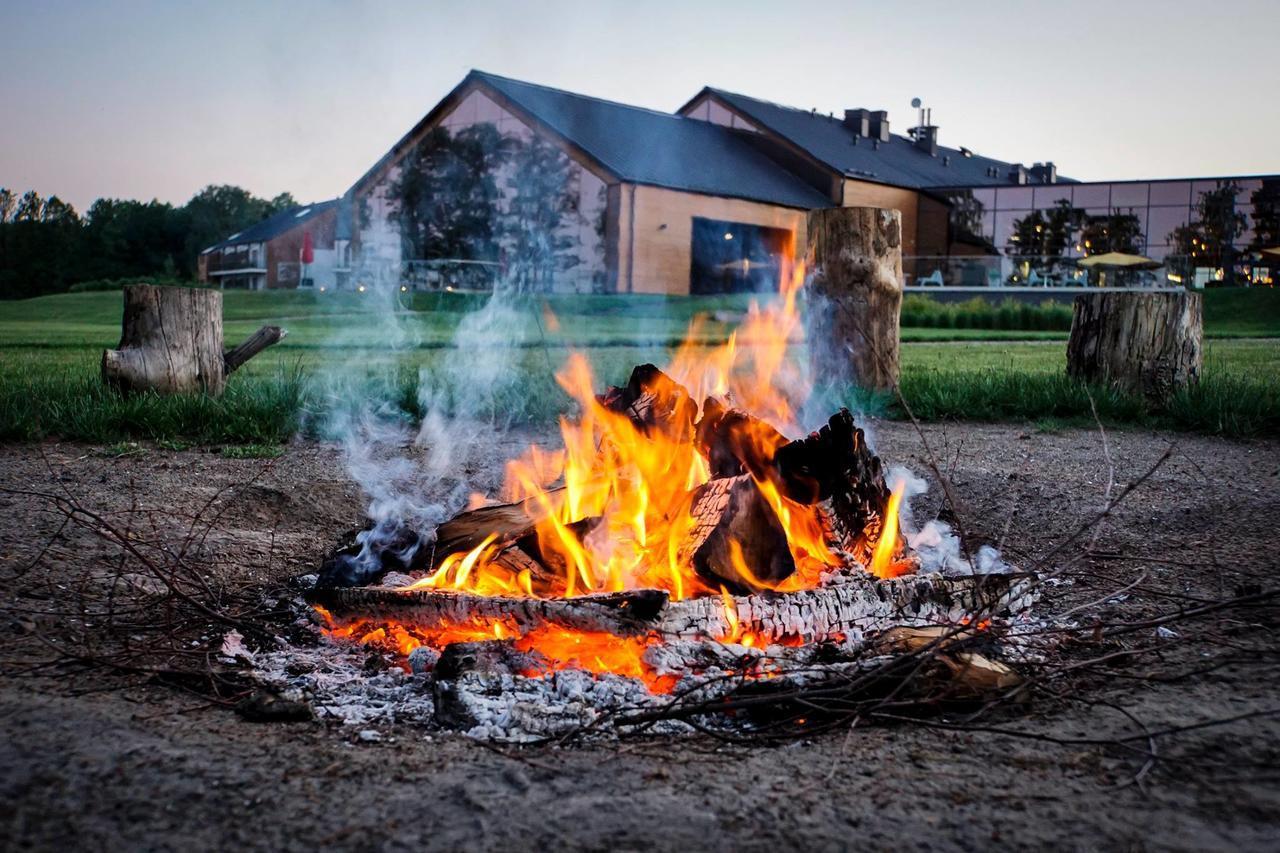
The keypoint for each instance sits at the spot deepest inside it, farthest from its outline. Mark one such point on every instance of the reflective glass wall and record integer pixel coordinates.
(1217, 220)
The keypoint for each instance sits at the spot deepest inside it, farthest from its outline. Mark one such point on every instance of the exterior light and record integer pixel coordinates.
(322, 288)
(360, 288)
(449, 288)
(728, 235)
(403, 288)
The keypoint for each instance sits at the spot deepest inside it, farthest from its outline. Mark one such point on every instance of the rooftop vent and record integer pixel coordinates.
(926, 137)
(1017, 174)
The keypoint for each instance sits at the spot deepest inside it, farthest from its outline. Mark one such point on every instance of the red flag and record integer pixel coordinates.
(308, 253)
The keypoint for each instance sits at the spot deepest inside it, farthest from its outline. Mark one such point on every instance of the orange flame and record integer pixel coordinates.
(882, 564)
(623, 508)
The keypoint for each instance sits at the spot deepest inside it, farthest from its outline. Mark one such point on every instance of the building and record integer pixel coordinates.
(268, 255)
(551, 190)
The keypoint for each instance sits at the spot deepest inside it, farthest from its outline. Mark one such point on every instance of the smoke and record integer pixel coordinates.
(415, 469)
(935, 544)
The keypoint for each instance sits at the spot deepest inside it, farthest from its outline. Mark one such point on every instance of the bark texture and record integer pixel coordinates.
(855, 296)
(1150, 343)
(171, 342)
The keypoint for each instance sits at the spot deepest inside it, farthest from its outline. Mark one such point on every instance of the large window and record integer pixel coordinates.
(732, 257)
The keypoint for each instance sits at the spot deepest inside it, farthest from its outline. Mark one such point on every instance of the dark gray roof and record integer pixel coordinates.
(649, 147)
(897, 162)
(274, 226)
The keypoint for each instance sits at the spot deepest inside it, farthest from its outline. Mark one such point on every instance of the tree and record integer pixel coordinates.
(1113, 232)
(535, 230)
(1209, 240)
(446, 196)
(8, 203)
(1040, 239)
(1266, 215)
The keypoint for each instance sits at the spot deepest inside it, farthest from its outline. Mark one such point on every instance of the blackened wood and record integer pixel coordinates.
(1146, 343)
(622, 613)
(729, 512)
(855, 296)
(653, 400)
(509, 521)
(736, 442)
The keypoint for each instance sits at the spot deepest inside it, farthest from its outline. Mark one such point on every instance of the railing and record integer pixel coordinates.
(218, 262)
(997, 271)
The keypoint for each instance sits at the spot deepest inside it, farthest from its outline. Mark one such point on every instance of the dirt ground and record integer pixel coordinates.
(153, 768)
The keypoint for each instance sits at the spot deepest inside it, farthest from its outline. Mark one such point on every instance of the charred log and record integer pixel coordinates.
(622, 613)
(653, 400)
(735, 442)
(731, 515)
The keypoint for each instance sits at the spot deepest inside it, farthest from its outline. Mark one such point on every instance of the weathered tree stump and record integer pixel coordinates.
(171, 341)
(855, 295)
(1150, 343)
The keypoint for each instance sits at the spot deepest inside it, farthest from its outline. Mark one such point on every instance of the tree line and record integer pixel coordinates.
(46, 246)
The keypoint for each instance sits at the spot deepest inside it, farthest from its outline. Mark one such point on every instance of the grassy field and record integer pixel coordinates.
(49, 351)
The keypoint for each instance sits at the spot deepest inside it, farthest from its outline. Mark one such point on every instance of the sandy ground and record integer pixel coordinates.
(150, 768)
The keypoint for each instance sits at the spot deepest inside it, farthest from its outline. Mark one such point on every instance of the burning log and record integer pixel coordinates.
(171, 342)
(1149, 343)
(857, 256)
(858, 603)
(619, 613)
(735, 531)
(653, 400)
(508, 522)
(736, 442)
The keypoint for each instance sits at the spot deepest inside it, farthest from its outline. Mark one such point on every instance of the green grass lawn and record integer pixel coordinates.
(50, 349)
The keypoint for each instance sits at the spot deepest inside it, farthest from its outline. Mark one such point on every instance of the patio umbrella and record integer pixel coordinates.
(1120, 260)
(1273, 252)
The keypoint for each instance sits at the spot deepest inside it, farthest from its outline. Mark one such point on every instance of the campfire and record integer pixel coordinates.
(678, 542)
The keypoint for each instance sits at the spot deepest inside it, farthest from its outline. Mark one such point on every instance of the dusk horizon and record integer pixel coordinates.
(147, 101)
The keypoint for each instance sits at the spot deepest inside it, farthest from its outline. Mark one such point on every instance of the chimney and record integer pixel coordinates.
(1044, 173)
(1017, 174)
(880, 125)
(859, 121)
(926, 137)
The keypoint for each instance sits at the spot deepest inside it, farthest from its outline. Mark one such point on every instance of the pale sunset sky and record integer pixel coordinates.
(157, 99)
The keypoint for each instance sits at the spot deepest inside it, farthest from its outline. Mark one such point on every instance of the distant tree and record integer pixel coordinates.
(8, 203)
(1209, 240)
(541, 203)
(41, 247)
(128, 238)
(280, 203)
(217, 212)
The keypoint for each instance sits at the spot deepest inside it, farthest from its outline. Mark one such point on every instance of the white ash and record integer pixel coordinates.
(333, 680)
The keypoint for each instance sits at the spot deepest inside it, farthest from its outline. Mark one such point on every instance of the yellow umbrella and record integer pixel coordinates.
(1120, 260)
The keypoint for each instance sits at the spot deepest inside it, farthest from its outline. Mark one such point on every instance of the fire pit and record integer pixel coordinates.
(678, 548)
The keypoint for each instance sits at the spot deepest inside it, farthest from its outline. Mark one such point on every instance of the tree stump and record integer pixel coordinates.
(171, 342)
(855, 296)
(1149, 343)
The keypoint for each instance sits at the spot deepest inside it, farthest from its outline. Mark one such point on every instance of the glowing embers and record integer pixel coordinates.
(544, 648)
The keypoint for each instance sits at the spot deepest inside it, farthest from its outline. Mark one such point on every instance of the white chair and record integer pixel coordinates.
(934, 277)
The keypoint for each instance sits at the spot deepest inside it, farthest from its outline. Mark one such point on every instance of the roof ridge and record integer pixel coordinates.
(478, 73)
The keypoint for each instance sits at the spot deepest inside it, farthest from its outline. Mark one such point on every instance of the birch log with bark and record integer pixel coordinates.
(855, 296)
(171, 342)
(1148, 343)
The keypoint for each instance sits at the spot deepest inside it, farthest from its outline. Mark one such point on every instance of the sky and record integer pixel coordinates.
(158, 99)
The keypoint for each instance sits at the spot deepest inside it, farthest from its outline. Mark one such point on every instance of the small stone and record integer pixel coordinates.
(369, 736)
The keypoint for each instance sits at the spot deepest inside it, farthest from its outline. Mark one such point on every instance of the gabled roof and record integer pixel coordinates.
(641, 146)
(897, 162)
(274, 226)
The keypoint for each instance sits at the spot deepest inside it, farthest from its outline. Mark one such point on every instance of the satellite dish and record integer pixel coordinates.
(915, 102)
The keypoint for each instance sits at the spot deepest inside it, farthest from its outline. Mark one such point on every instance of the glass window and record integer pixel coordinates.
(1170, 193)
(1244, 197)
(1164, 221)
(1015, 198)
(1004, 227)
(1129, 195)
(1091, 195)
(987, 198)
(1204, 187)
(1047, 197)
(989, 225)
(1158, 253)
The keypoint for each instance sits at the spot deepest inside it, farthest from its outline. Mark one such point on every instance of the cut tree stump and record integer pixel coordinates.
(1149, 343)
(856, 296)
(171, 342)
